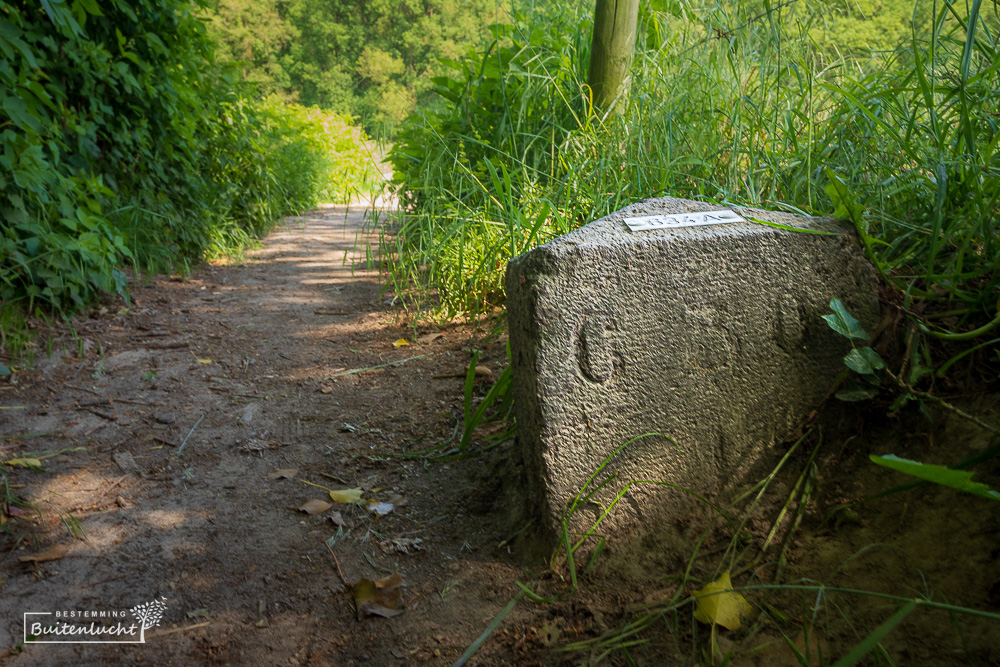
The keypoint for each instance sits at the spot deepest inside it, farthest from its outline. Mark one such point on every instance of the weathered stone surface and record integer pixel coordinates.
(710, 335)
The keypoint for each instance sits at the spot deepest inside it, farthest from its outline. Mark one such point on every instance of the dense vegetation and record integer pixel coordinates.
(373, 59)
(733, 102)
(124, 144)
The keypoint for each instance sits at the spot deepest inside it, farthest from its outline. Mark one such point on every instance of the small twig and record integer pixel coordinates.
(372, 368)
(73, 386)
(163, 442)
(944, 404)
(334, 478)
(110, 418)
(125, 400)
(337, 563)
(181, 449)
(113, 485)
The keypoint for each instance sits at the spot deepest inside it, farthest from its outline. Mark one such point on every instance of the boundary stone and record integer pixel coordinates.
(711, 335)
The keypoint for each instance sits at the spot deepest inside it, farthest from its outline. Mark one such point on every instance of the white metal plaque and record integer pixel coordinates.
(676, 220)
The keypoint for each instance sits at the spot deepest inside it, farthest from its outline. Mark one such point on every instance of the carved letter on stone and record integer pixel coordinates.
(594, 352)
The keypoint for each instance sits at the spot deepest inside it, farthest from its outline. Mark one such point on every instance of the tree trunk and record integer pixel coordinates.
(611, 52)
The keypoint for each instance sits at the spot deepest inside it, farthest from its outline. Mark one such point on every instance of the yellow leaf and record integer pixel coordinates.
(204, 361)
(27, 463)
(400, 343)
(346, 495)
(718, 603)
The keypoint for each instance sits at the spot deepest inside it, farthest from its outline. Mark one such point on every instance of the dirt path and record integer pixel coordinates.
(188, 425)
(239, 366)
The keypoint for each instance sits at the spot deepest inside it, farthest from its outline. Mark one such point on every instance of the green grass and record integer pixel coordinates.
(730, 105)
(739, 104)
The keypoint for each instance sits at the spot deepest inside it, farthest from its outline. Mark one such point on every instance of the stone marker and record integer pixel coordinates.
(710, 334)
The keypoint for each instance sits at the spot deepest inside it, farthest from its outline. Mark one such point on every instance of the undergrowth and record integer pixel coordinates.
(732, 103)
(736, 578)
(122, 145)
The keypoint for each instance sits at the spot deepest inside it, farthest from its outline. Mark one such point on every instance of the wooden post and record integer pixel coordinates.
(611, 52)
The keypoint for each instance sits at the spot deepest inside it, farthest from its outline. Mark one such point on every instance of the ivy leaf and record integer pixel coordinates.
(864, 361)
(855, 391)
(843, 322)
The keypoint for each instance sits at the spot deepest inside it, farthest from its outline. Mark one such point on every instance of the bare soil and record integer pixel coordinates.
(193, 425)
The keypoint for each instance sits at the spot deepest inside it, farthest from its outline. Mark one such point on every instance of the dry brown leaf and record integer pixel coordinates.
(338, 519)
(284, 473)
(429, 338)
(55, 552)
(483, 371)
(314, 506)
(383, 597)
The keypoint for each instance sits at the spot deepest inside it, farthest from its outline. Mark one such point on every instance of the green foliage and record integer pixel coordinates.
(121, 141)
(478, 174)
(728, 103)
(950, 477)
(857, 27)
(367, 58)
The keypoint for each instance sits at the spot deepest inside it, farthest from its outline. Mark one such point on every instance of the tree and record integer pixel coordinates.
(611, 52)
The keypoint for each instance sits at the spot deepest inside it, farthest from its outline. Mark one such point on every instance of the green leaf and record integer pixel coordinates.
(843, 322)
(956, 479)
(856, 391)
(845, 203)
(864, 361)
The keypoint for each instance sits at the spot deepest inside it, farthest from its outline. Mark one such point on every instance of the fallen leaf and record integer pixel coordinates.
(337, 519)
(483, 371)
(348, 428)
(284, 473)
(349, 496)
(429, 338)
(379, 508)
(326, 390)
(382, 597)
(27, 463)
(198, 613)
(314, 506)
(400, 343)
(203, 361)
(718, 603)
(55, 552)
